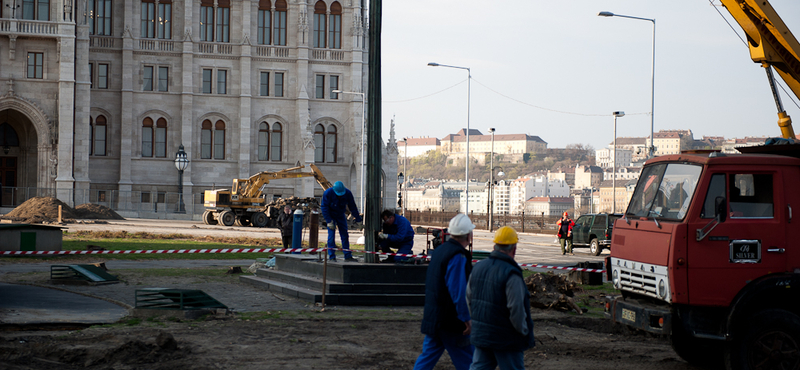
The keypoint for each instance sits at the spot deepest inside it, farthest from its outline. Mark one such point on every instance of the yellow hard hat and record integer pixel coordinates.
(505, 236)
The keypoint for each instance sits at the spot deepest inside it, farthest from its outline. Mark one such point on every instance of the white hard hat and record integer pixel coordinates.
(460, 225)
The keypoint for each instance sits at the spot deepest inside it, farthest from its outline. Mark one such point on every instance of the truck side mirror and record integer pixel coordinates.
(720, 209)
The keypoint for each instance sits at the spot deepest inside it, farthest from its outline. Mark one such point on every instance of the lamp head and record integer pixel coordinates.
(401, 179)
(433, 64)
(491, 129)
(618, 114)
(337, 91)
(605, 14)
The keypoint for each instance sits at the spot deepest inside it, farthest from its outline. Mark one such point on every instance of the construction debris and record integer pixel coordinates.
(40, 210)
(552, 291)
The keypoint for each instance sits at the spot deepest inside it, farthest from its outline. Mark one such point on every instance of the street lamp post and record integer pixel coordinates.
(181, 162)
(490, 202)
(651, 149)
(466, 171)
(363, 133)
(614, 174)
(405, 159)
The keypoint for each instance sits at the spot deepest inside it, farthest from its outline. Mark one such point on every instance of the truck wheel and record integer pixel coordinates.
(259, 219)
(770, 340)
(226, 218)
(696, 351)
(208, 218)
(243, 220)
(594, 247)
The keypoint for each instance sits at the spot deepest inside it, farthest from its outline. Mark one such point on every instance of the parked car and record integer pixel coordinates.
(594, 231)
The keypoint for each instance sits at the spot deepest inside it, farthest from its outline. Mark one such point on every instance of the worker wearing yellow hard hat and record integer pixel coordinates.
(500, 337)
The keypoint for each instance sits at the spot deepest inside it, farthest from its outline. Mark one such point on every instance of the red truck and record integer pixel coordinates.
(707, 250)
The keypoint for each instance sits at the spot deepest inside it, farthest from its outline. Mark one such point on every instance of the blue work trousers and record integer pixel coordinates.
(489, 359)
(457, 347)
(402, 248)
(341, 225)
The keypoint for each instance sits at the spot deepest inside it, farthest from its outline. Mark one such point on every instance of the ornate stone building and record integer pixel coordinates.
(98, 95)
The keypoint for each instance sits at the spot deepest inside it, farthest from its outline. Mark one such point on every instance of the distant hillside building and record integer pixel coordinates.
(587, 176)
(672, 141)
(603, 157)
(730, 145)
(417, 146)
(549, 206)
(480, 145)
(637, 146)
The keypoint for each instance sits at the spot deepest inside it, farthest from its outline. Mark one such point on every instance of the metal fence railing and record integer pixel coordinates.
(141, 202)
(520, 222)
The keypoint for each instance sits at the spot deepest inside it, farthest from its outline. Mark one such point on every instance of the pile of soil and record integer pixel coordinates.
(552, 291)
(39, 210)
(96, 212)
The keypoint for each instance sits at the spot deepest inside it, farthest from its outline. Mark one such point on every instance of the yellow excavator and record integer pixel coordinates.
(772, 45)
(244, 204)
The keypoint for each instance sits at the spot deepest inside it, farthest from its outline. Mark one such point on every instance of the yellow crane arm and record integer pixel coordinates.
(771, 44)
(251, 187)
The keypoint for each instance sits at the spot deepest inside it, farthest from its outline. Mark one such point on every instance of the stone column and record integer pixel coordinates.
(65, 121)
(127, 126)
(82, 140)
(303, 130)
(245, 78)
(186, 137)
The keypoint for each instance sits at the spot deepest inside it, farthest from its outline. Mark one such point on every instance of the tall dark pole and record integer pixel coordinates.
(372, 209)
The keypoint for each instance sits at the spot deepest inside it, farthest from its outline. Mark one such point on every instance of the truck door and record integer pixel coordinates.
(742, 248)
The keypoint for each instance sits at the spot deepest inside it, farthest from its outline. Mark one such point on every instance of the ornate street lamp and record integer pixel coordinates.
(181, 163)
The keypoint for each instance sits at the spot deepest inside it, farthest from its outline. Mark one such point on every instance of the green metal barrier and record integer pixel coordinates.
(171, 299)
(90, 273)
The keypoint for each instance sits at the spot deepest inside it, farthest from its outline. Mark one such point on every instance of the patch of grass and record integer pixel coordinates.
(606, 288)
(132, 321)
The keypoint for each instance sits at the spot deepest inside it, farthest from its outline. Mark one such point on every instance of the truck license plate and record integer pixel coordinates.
(628, 315)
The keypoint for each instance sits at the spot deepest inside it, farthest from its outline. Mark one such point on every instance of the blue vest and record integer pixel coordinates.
(491, 327)
(440, 311)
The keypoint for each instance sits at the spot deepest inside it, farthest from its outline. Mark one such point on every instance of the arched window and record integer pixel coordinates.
(276, 141)
(263, 141)
(212, 140)
(223, 20)
(320, 24)
(330, 145)
(99, 136)
(279, 23)
(147, 137)
(319, 144)
(161, 138)
(219, 140)
(335, 26)
(264, 22)
(156, 19)
(205, 140)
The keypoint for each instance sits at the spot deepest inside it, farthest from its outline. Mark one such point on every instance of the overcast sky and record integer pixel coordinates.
(556, 70)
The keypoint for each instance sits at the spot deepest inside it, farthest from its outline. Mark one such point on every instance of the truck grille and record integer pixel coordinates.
(638, 282)
(641, 278)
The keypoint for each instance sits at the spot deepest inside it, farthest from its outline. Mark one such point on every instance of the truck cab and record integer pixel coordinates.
(705, 253)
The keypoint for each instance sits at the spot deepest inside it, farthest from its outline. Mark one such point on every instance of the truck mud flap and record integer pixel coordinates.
(648, 317)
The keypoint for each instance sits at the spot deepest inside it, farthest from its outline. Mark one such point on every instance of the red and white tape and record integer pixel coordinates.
(256, 250)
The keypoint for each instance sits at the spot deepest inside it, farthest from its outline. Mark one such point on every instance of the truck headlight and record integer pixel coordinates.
(615, 278)
(662, 289)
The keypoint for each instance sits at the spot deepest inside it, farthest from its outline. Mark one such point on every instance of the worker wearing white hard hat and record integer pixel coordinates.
(446, 321)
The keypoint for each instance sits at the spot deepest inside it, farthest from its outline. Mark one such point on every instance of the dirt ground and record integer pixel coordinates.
(269, 331)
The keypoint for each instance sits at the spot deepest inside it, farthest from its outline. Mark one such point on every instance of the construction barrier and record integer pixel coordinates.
(256, 250)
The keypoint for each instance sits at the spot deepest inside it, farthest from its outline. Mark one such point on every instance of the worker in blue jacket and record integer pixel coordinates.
(335, 201)
(397, 233)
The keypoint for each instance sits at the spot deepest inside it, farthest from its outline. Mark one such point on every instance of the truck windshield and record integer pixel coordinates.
(664, 191)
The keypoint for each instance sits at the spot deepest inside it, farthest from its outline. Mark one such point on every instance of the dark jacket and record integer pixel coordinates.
(491, 327)
(440, 312)
(286, 223)
(334, 206)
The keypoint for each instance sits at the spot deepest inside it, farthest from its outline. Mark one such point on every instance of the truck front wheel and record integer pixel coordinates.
(696, 351)
(770, 340)
(227, 218)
